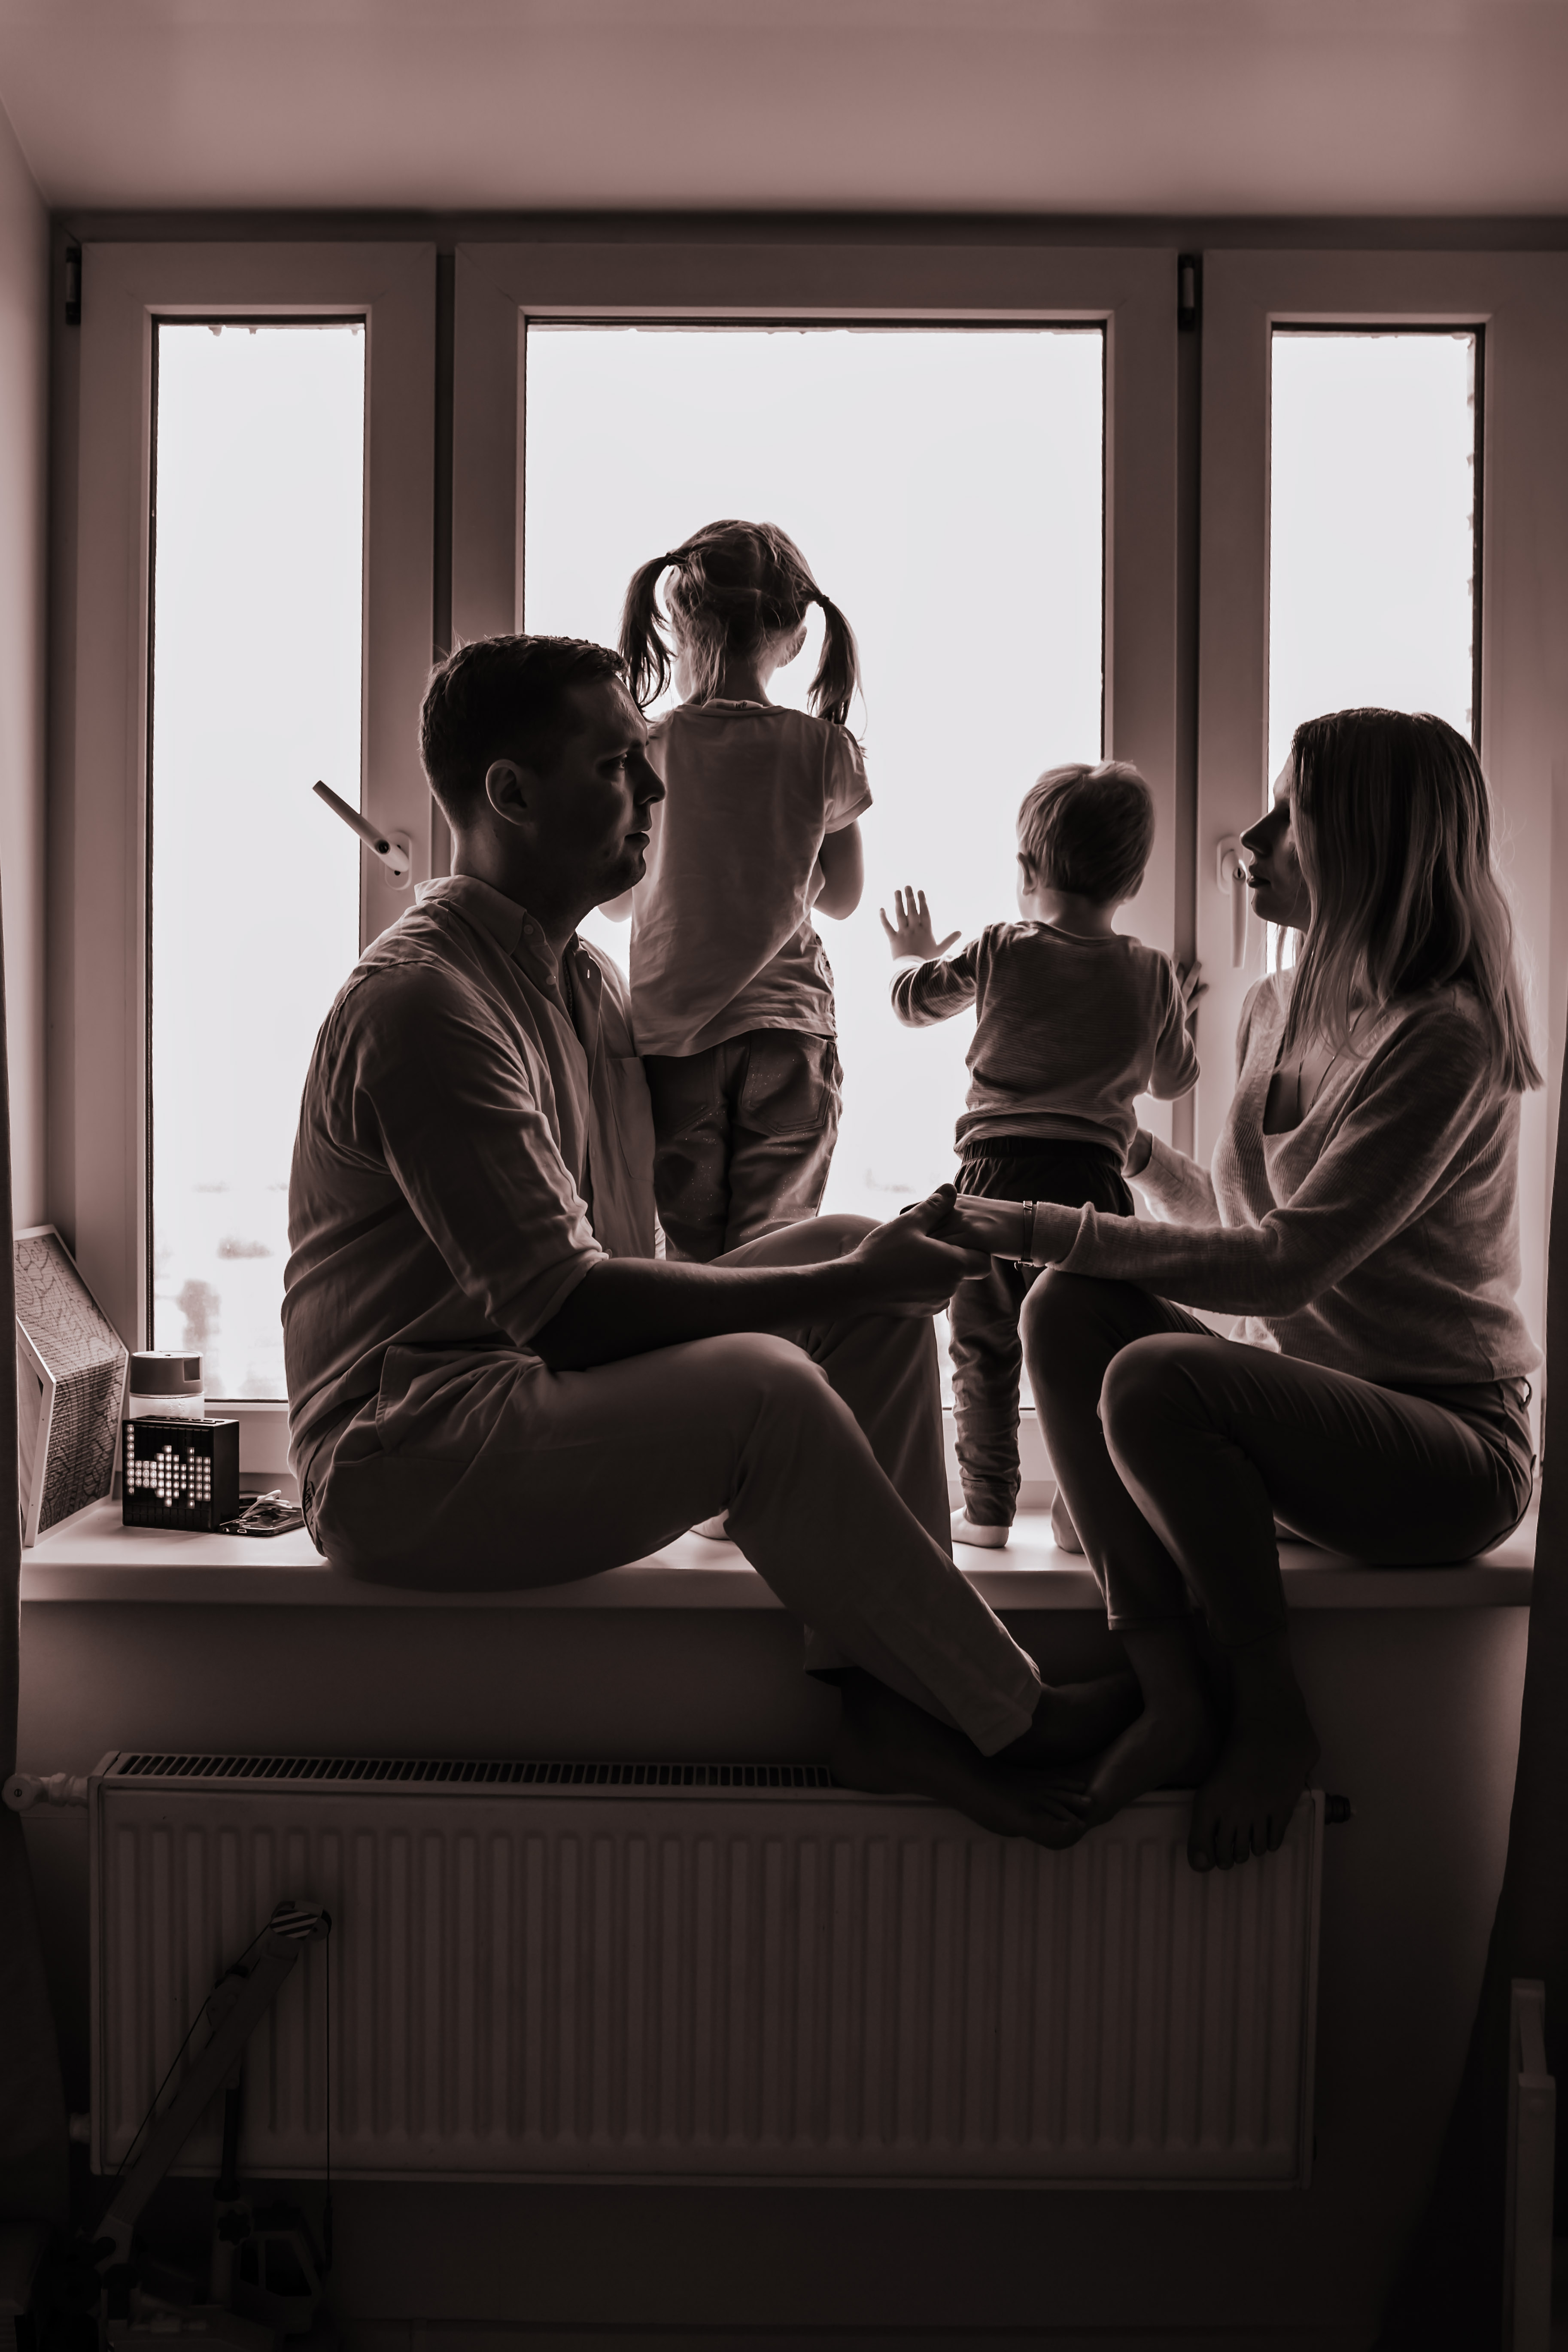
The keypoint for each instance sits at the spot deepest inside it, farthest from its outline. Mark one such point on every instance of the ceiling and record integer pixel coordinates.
(1215, 107)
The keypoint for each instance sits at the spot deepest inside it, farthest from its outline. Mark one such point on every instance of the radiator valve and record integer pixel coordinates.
(26, 1789)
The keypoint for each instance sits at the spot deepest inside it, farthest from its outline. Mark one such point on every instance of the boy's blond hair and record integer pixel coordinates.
(1088, 829)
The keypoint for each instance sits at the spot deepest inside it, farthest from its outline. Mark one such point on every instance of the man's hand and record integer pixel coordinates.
(911, 934)
(907, 1272)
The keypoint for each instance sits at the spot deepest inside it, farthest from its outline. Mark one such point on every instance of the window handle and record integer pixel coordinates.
(1230, 873)
(392, 848)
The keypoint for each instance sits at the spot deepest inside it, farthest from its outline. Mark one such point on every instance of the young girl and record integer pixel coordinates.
(731, 991)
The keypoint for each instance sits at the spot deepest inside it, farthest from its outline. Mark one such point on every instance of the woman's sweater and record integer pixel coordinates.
(1379, 1236)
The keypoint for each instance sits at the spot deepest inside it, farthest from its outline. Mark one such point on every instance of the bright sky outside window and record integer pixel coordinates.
(946, 488)
(257, 602)
(1373, 526)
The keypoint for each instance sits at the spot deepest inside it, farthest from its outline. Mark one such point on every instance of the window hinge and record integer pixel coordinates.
(1189, 291)
(73, 285)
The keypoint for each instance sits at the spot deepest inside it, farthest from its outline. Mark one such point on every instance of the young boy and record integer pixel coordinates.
(1073, 1021)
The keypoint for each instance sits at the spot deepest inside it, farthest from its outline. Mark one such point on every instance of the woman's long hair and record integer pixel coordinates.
(735, 585)
(1392, 826)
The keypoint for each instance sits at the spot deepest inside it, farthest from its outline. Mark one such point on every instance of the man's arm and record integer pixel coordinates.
(623, 1306)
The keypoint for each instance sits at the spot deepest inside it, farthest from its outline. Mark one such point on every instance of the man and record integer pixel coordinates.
(492, 1379)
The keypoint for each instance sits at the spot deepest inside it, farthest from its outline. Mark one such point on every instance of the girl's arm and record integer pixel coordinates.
(840, 874)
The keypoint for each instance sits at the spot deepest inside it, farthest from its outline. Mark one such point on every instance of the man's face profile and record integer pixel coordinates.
(591, 806)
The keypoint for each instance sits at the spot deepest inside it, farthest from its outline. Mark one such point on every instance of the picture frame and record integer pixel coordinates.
(71, 1385)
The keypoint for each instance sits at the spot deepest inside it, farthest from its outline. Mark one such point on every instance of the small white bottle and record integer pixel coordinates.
(165, 1387)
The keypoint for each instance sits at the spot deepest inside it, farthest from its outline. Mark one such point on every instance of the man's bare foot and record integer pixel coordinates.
(887, 1745)
(1245, 1804)
(1074, 1720)
(1173, 1745)
(1064, 1534)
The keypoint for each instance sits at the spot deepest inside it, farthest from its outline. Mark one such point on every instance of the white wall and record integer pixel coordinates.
(24, 369)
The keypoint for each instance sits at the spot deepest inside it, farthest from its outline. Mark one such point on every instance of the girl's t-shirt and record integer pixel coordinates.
(722, 940)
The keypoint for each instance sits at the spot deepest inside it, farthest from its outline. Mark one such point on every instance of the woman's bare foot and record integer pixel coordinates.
(887, 1745)
(1173, 1743)
(1064, 1534)
(1074, 1720)
(1244, 1804)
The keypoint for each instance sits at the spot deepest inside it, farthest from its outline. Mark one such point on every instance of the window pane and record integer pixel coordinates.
(945, 488)
(257, 604)
(1372, 534)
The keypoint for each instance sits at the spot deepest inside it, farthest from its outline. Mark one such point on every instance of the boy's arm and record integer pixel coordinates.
(937, 988)
(840, 874)
(1176, 1069)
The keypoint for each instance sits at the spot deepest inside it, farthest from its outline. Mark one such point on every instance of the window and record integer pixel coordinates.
(258, 498)
(945, 487)
(1383, 473)
(277, 628)
(1373, 527)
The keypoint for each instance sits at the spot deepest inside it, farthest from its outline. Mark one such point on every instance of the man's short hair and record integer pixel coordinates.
(1089, 830)
(502, 698)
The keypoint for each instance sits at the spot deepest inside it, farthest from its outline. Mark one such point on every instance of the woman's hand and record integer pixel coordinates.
(911, 934)
(999, 1228)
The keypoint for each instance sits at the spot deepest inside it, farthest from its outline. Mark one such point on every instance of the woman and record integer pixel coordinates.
(1362, 1216)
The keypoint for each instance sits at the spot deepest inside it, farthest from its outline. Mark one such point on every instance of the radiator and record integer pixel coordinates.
(701, 1972)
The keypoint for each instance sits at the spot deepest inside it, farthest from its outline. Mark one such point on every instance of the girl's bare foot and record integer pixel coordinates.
(1064, 1534)
(1243, 1805)
(1074, 1720)
(887, 1745)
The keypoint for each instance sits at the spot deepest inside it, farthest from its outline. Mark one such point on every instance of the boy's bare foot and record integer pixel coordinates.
(1064, 1534)
(887, 1745)
(1245, 1804)
(1074, 1720)
(966, 1531)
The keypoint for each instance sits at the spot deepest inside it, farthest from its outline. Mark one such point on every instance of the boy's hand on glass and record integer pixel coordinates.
(910, 933)
(1193, 987)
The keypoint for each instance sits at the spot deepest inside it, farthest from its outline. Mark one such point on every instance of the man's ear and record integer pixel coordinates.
(507, 790)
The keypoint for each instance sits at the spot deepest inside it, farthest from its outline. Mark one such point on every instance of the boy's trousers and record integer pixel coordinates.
(743, 1137)
(987, 1354)
(483, 1471)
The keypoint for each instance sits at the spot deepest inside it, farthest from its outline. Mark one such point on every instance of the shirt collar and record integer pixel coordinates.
(501, 918)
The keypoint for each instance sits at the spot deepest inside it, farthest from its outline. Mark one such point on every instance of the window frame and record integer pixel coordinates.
(1519, 300)
(1128, 291)
(98, 1070)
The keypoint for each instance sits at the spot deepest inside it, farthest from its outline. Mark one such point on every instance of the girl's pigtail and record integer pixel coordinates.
(643, 647)
(839, 671)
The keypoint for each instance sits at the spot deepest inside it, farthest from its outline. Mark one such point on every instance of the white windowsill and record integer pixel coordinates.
(93, 1558)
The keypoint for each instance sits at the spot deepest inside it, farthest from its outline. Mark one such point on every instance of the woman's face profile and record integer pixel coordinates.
(1274, 876)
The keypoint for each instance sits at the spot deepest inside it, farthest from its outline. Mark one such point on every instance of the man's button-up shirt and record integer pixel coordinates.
(472, 1139)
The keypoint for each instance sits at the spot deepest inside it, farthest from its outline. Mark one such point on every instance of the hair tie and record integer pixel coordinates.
(677, 558)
